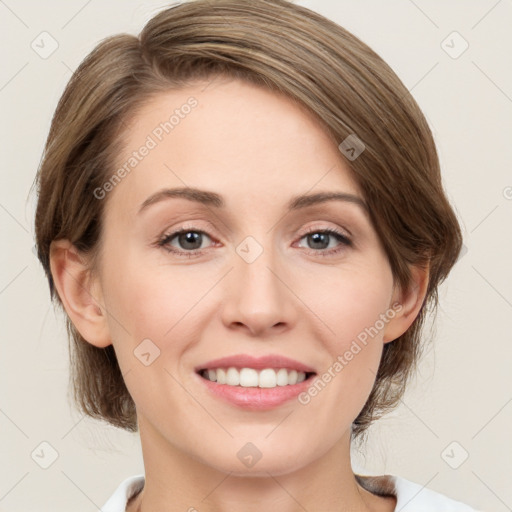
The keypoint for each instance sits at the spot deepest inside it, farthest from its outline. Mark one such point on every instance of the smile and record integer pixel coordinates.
(253, 378)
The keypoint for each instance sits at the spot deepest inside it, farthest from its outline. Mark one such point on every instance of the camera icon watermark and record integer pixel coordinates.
(454, 455)
(44, 45)
(249, 249)
(249, 455)
(507, 193)
(352, 146)
(44, 454)
(454, 45)
(146, 352)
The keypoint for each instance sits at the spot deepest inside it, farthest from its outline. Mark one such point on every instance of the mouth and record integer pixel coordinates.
(255, 378)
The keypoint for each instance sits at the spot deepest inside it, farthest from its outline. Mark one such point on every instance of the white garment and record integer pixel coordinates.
(411, 497)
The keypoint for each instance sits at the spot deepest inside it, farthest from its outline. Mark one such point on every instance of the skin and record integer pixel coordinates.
(257, 150)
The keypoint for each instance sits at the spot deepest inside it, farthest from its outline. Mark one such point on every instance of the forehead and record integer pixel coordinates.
(243, 141)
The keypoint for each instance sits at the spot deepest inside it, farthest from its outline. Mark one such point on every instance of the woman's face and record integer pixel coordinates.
(256, 273)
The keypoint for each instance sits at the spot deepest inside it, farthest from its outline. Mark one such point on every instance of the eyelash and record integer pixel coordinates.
(342, 238)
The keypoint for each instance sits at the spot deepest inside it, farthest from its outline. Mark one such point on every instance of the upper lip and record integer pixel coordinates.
(258, 363)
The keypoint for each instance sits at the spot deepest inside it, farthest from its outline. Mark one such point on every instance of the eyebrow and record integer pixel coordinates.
(213, 199)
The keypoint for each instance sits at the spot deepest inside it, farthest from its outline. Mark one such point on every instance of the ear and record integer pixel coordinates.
(407, 303)
(79, 293)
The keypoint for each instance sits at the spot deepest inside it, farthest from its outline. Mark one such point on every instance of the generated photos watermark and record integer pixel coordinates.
(344, 359)
(152, 140)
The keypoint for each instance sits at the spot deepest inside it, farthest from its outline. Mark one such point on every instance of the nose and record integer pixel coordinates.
(258, 299)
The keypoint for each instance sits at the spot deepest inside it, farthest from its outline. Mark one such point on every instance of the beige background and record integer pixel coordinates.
(463, 393)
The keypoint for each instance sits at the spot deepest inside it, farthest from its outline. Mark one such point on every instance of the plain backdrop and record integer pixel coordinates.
(452, 430)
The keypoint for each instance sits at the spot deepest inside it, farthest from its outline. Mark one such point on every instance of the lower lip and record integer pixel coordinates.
(257, 399)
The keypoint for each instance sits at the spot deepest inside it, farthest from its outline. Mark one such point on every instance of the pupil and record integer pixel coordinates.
(319, 238)
(190, 238)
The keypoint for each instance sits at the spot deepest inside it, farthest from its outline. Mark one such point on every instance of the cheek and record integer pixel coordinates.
(152, 302)
(353, 308)
(153, 322)
(353, 301)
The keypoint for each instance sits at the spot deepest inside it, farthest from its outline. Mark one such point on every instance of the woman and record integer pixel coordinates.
(241, 213)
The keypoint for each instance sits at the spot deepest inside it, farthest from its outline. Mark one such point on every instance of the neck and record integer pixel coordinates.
(175, 481)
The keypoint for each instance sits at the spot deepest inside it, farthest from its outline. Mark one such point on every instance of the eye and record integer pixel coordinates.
(184, 242)
(320, 239)
(188, 241)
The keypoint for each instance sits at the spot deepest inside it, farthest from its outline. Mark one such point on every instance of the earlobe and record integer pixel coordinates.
(79, 293)
(409, 303)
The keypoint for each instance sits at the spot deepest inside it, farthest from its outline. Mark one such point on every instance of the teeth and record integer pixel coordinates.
(251, 378)
(232, 377)
(268, 378)
(221, 376)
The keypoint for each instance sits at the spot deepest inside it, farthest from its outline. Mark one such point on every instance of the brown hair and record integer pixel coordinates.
(285, 48)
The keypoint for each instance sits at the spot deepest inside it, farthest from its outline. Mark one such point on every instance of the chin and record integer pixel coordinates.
(245, 459)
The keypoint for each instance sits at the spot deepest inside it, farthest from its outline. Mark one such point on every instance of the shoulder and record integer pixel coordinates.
(413, 496)
(410, 496)
(128, 487)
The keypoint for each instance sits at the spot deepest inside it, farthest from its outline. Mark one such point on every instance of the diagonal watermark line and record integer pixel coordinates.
(424, 76)
(485, 218)
(68, 67)
(13, 423)
(13, 13)
(75, 425)
(199, 403)
(192, 307)
(279, 424)
(485, 15)
(13, 279)
(14, 218)
(492, 418)
(302, 301)
(419, 418)
(287, 492)
(492, 491)
(495, 289)
(407, 502)
(76, 14)
(492, 81)
(424, 14)
(217, 486)
(14, 485)
(88, 497)
(14, 76)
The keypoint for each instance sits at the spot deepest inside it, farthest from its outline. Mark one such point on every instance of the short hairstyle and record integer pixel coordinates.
(285, 48)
